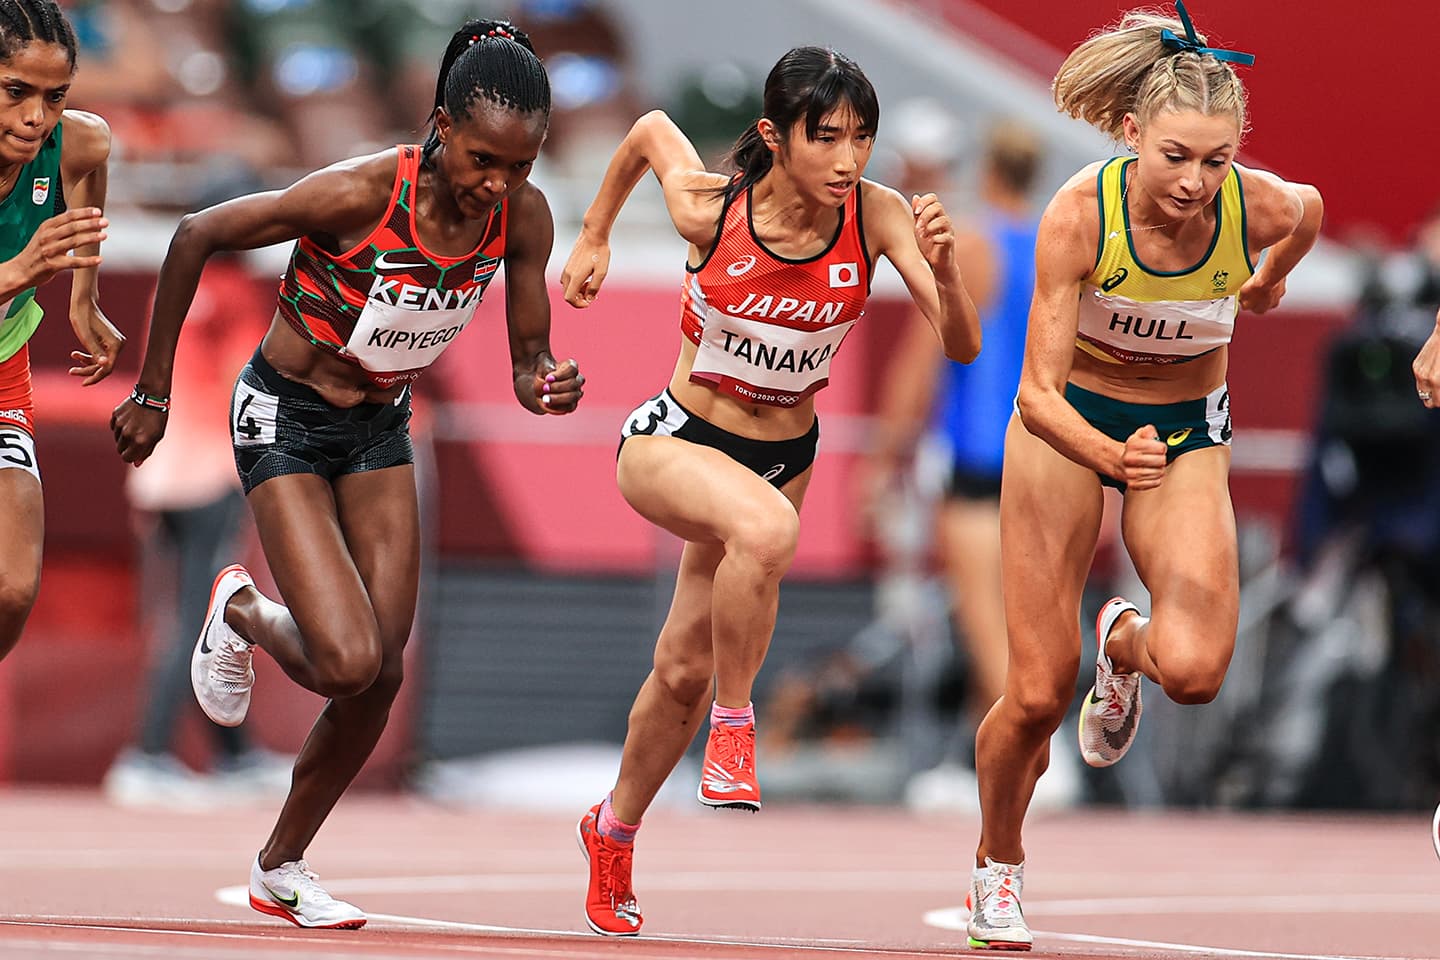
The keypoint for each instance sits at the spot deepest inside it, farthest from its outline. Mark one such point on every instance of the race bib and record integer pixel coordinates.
(388, 338)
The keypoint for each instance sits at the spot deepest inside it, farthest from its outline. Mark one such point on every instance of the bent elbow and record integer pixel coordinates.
(1025, 403)
(963, 352)
(192, 237)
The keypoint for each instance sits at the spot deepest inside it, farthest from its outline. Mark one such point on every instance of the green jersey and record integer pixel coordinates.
(35, 198)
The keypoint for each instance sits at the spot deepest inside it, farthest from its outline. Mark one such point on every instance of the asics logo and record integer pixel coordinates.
(742, 266)
(383, 262)
(1178, 437)
(1115, 279)
(773, 472)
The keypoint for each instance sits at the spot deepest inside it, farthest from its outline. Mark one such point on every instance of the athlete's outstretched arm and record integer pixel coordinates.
(84, 171)
(345, 199)
(540, 385)
(1064, 255)
(692, 197)
(1285, 218)
(919, 239)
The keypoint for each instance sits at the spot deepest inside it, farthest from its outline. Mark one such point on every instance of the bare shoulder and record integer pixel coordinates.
(351, 191)
(528, 203)
(86, 141)
(1067, 243)
(1075, 206)
(1273, 206)
(886, 215)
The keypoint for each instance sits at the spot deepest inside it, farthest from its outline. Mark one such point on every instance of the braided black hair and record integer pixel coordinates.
(24, 21)
(492, 59)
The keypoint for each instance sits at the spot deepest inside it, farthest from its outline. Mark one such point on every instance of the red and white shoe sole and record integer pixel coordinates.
(276, 910)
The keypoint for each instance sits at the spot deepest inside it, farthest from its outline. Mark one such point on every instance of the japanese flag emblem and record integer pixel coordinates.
(40, 192)
(844, 275)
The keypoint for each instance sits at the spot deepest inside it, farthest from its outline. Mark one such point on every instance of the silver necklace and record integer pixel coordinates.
(1124, 193)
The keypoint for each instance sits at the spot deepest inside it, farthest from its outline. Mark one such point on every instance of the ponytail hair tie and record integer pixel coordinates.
(1190, 43)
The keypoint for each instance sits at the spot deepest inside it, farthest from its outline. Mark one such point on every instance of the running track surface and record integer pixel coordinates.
(83, 879)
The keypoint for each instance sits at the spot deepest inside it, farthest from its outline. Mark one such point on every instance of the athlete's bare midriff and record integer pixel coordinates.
(339, 383)
(1151, 382)
(754, 420)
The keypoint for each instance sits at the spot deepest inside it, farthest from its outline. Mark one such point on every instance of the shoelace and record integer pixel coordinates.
(302, 879)
(231, 666)
(732, 743)
(615, 869)
(1116, 690)
(998, 900)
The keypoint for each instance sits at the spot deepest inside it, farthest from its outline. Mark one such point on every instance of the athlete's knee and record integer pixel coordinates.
(685, 679)
(1039, 704)
(17, 596)
(1200, 686)
(345, 672)
(387, 682)
(768, 539)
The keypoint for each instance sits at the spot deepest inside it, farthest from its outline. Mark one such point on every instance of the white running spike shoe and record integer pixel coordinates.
(1110, 712)
(291, 893)
(220, 668)
(996, 921)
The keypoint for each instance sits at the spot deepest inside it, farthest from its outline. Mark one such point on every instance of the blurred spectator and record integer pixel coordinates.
(162, 74)
(190, 515)
(955, 415)
(309, 62)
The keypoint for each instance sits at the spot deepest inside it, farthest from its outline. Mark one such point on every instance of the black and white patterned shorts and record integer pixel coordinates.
(778, 461)
(279, 427)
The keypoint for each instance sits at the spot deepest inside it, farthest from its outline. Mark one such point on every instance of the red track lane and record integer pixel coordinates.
(86, 879)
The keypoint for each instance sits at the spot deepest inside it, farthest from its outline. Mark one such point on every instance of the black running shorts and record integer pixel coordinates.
(279, 427)
(778, 461)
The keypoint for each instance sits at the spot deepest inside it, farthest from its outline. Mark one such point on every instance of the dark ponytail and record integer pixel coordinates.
(807, 83)
(493, 59)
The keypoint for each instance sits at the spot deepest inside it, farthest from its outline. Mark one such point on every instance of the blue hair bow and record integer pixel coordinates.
(1191, 43)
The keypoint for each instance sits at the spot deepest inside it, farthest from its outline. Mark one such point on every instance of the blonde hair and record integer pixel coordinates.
(1127, 69)
(1012, 152)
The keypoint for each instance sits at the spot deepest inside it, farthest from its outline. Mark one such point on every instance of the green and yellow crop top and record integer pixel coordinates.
(1130, 313)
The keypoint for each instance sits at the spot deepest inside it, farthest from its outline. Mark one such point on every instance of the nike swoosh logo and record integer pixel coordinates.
(292, 902)
(383, 262)
(1118, 738)
(205, 644)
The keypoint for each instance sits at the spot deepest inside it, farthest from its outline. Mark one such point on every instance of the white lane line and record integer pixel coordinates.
(1370, 903)
(687, 881)
(956, 918)
(318, 937)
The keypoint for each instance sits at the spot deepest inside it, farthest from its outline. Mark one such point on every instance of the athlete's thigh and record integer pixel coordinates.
(696, 492)
(1050, 511)
(1181, 536)
(22, 528)
(380, 518)
(310, 560)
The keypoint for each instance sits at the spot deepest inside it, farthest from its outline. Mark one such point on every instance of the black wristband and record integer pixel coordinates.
(142, 399)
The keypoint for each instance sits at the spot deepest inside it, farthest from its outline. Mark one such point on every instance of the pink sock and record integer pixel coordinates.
(733, 716)
(613, 827)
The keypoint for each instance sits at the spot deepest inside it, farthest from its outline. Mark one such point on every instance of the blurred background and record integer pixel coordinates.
(543, 591)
